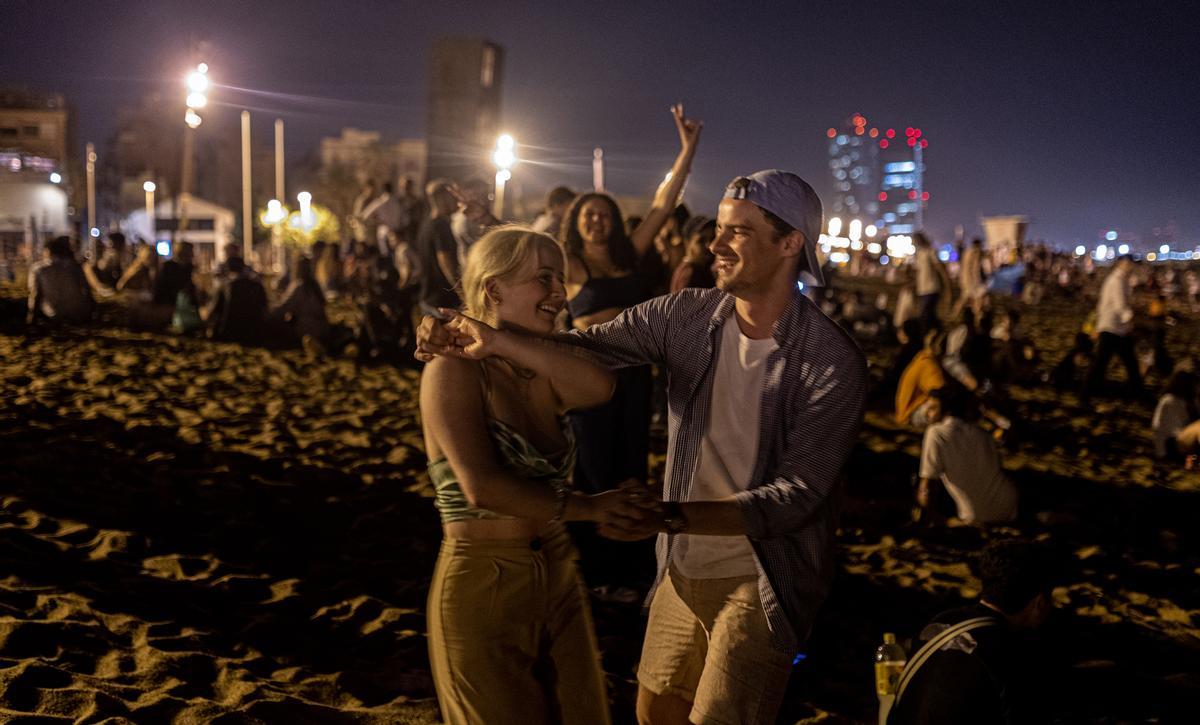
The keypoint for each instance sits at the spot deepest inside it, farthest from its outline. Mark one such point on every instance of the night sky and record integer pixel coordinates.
(1079, 115)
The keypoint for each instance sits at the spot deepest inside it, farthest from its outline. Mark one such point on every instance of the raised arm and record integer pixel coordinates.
(667, 195)
(577, 381)
(452, 409)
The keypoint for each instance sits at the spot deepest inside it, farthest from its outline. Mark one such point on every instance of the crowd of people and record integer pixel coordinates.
(553, 351)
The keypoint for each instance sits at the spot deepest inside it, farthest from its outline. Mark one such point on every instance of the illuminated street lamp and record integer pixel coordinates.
(306, 215)
(504, 157)
(835, 226)
(55, 178)
(149, 188)
(197, 84)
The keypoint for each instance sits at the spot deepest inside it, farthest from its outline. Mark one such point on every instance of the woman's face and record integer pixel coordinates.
(595, 221)
(535, 295)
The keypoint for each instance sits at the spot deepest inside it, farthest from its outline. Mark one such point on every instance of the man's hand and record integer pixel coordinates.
(435, 338)
(649, 520)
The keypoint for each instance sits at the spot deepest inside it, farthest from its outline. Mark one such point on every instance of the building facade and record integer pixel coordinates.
(878, 176)
(463, 109)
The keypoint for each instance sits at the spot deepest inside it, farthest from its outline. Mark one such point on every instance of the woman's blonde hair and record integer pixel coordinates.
(498, 255)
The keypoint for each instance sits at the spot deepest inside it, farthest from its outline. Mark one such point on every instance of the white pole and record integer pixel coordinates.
(501, 176)
(91, 196)
(150, 213)
(279, 192)
(247, 211)
(598, 169)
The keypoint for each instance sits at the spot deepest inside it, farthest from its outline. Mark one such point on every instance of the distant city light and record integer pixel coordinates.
(883, 143)
(163, 248)
(95, 231)
(1111, 236)
(1123, 249)
(1101, 251)
(856, 230)
(1080, 250)
(884, 259)
(1164, 249)
(1151, 256)
(871, 230)
(831, 133)
(891, 133)
(55, 177)
(874, 248)
(883, 194)
(944, 255)
(835, 226)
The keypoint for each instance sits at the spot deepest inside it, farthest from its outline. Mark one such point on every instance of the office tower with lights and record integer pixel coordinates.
(853, 164)
(901, 196)
(463, 113)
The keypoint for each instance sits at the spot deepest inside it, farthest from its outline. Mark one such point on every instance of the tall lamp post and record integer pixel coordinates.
(504, 157)
(197, 98)
(149, 188)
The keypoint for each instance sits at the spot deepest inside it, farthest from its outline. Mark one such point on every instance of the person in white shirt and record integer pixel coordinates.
(1175, 427)
(964, 457)
(1114, 322)
(932, 281)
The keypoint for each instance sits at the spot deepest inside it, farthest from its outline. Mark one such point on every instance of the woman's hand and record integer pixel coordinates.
(688, 128)
(611, 509)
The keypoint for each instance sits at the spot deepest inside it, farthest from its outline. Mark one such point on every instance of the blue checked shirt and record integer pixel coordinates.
(812, 403)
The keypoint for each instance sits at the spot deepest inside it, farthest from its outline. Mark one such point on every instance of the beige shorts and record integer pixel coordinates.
(707, 642)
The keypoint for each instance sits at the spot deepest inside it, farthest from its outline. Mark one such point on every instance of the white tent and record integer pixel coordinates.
(210, 227)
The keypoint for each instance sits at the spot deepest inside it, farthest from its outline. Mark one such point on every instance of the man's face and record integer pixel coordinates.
(749, 254)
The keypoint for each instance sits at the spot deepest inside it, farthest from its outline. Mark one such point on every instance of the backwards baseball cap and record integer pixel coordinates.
(790, 198)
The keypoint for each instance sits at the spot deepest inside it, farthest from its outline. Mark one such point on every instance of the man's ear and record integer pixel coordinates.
(792, 243)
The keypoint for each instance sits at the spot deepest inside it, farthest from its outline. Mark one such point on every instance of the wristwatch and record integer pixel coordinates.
(673, 517)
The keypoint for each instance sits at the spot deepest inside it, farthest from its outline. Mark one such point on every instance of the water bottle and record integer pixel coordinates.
(889, 663)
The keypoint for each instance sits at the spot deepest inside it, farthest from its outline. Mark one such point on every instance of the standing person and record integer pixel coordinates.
(384, 215)
(1114, 323)
(558, 200)
(932, 281)
(510, 634)
(971, 285)
(437, 250)
(745, 534)
(415, 210)
(603, 279)
(58, 289)
(473, 217)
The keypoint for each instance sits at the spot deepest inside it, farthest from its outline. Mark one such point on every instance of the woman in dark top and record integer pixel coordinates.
(604, 278)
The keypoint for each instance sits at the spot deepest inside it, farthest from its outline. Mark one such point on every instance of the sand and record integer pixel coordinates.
(199, 532)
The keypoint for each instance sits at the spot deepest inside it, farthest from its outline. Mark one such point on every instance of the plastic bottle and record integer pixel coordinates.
(889, 663)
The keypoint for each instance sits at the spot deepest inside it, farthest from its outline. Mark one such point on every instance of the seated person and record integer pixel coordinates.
(58, 289)
(990, 673)
(1175, 426)
(1071, 372)
(922, 376)
(302, 310)
(104, 274)
(138, 278)
(174, 287)
(964, 456)
(954, 362)
(239, 306)
(911, 343)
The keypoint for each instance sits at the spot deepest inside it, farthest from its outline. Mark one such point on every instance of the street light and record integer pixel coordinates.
(197, 83)
(504, 157)
(55, 177)
(149, 188)
(306, 215)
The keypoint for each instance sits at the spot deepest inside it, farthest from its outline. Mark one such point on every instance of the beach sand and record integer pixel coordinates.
(199, 532)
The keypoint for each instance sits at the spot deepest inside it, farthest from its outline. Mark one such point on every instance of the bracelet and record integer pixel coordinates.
(561, 497)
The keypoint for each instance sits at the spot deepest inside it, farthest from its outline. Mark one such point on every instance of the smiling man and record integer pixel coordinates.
(766, 396)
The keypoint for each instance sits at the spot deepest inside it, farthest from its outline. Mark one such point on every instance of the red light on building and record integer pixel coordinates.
(924, 196)
(883, 143)
(912, 141)
(874, 132)
(908, 131)
(883, 196)
(891, 133)
(831, 132)
(858, 130)
(912, 195)
(924, 143)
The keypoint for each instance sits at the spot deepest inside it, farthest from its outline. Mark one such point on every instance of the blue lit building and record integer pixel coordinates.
(878, 176)
(854, 166)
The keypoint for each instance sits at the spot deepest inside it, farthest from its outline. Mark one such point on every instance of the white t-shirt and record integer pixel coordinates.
(727, 453)
(965, 458)
(1113, 313)
(1170, 417)
(928, 279)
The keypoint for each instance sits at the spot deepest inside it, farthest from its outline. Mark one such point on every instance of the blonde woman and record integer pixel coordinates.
(510, 634)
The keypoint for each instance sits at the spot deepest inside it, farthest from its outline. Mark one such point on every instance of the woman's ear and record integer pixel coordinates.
(491, 288)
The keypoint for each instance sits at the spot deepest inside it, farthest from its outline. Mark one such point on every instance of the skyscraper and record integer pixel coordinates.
(853, 162)
(463, 113)
(878, 176)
